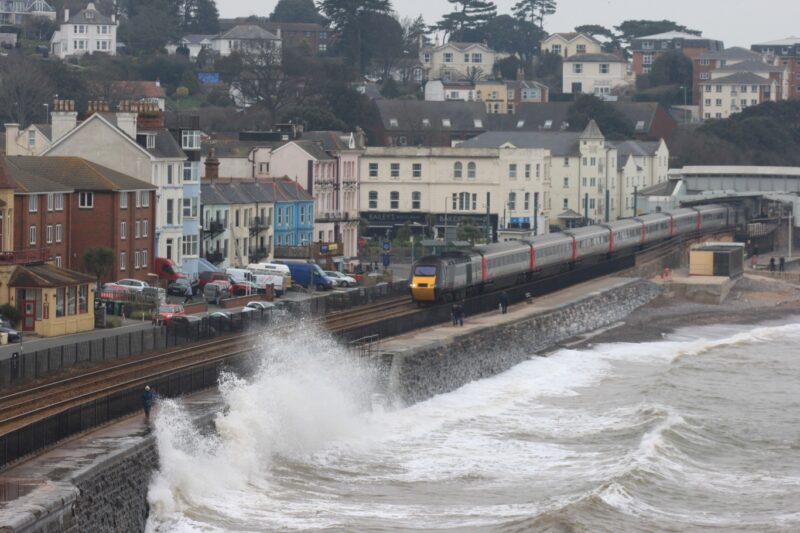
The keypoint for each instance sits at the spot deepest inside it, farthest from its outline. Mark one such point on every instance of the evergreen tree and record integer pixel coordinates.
(535, 10)
(467, 17)
(348, 18)
(296, 11)
(611, 122)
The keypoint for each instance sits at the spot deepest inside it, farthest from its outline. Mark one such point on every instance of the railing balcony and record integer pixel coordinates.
(23, 257)
(258, 224)
(257, 253)
(215, 227)
(215, 257)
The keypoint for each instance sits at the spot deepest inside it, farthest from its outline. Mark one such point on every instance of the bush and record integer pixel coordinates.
(113, 321)
(10, 313)
(181, 92)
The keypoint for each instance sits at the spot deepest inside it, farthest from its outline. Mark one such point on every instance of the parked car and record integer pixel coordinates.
(132, 284)
(216, 291)
(259, 305)
(208, 277)
(183, 321)
(244, 288)
(341, 280)
(166, 312)
(13, 334)
(178, 286)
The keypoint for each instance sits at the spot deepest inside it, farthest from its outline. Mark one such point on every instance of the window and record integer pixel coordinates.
(478, 123)
(302, 214)
(137, 230)
(457, 169)
(395, 170)
(373, 199)
(416, 170)
(466, 58)
(527, 200)
(427, 57)
(190, 245)
(33, 203)
(565, 204)
(754, 102)
(719, 88)
(145, 227)
(556, 49)
(647, 59)
(31, 139)
(416, 200)
(718, 102)
(754, 88)
(32, 235)
(580, 49)
(137, 256)
(477, 58)
(512, 171)
(566, 161)
(566, 183)
(190, 207)
(393, 123)
(171, 212)
(150, 141)
(123, 230)
(591, 203)
(707, 102)
(448, 57)
(144, 258)
(577, 68)
(743, 102)
(280, 216)
(512, 201)
(123, 200)
(191, 171)
(49, 233)
(169, 174)
(86, 200)
(61, 294)
(604, 68)
(373, 170)
(190, 140)
(445, 122)
(58, 233)
(394, 200)
(743, 88)
(705, 75)
(708, 88)
(59, 201)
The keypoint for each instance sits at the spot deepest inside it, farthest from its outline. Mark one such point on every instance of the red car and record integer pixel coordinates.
(167, 311)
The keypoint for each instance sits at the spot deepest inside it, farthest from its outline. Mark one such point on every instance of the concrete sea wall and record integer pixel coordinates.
(436, 369)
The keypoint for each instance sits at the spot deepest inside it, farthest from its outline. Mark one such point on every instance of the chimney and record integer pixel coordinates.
(126, 119)
(64, 118)
(66, 15)
(212, 166)
(12, 132)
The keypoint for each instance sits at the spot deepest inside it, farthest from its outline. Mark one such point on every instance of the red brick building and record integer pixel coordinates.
(647, 49)
(64, 205)
(785, 53)
(708, 62)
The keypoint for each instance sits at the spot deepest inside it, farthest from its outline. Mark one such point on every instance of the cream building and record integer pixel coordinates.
(596, 74)
(458, 61)
(86, 32)
(729, 91)
(565, 176)
(33, 140)
(571, 43)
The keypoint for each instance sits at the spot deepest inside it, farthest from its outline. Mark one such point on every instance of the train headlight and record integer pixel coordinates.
(412, 285)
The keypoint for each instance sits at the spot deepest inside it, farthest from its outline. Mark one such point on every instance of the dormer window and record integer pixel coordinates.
(445, 122)
(478, 123)
(640, 125)
(520, 123)
(548, 124)
(151, 142)
(426, 123)
(89, 15)
(393, 123)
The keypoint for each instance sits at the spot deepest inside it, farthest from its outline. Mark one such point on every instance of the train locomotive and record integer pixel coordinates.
(459, 274)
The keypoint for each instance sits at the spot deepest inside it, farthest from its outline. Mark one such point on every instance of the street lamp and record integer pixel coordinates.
(46, 113)
(685, 99)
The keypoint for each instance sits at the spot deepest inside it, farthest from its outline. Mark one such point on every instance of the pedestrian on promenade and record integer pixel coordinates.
(503, 298)
(772, 264)
(188, 294)
(147, 401)
(459, 314)
(454, 313)
(782, 264)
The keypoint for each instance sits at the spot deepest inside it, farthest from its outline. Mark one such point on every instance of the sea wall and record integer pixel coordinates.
(419, 374)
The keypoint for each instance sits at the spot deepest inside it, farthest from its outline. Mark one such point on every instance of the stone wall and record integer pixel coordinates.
(489, 351)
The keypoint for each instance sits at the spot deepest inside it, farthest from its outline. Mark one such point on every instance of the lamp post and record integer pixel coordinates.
(46, 113)
(685, 98)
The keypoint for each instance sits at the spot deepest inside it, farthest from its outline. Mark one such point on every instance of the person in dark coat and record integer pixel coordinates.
(147, 401)
(782, 264)
(503, 298)
(459, 315)
(772, 264)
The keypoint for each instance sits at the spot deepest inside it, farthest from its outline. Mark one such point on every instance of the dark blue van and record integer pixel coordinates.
(308, 275)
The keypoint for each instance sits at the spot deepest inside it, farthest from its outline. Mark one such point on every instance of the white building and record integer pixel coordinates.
(734, 87)
(33, 140)
(458, 61)
(86, 32)
(596, 74)
(144, 151)
(571, 43)
(246, 38)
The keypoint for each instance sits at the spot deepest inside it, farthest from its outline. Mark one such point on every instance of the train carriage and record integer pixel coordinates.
(504, 259)
(552, 252)
(590, 241)
(656, 227)
(712, 216)
(626, 235)
(683, 221)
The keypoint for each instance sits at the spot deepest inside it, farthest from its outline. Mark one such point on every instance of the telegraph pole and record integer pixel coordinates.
(535, 214)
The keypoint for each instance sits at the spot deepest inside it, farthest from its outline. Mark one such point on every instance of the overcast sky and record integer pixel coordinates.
(735, 23)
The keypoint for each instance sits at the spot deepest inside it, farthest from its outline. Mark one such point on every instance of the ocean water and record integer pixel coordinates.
(697, 432)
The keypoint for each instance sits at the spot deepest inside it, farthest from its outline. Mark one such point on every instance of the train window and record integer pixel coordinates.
(425, 270)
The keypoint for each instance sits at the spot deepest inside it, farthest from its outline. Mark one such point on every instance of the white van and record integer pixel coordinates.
(276, 275)
(239, 274)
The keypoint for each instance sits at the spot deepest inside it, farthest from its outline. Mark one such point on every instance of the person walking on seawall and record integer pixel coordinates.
(782, 264)
(454, 314)
(503, 298)
(458, 314)
(772, 264)
(147, 401)
(188, 294)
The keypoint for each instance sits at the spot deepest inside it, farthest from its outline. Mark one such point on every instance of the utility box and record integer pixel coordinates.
(717, 260)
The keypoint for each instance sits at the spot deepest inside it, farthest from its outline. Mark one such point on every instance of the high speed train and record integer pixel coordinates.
(458, 274)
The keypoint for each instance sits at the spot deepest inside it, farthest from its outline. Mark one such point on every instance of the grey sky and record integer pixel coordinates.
(736, 23)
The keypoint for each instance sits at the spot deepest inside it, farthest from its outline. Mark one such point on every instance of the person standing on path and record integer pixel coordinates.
(772, 264)
(188, 294)
(503, 298)
(782, 264)
(147, 401)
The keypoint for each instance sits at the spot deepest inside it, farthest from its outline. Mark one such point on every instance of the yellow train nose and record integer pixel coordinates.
(423, 288)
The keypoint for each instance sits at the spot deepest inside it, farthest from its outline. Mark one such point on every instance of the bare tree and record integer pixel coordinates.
(263, 82)
(24, 89)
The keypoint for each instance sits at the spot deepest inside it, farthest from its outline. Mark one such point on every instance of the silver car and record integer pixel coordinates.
(341, 280)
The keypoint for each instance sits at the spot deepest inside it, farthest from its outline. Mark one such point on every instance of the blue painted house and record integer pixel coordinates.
(294, 214)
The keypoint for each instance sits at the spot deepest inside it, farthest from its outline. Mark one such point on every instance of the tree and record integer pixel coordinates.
(610, 121)
(611, 45)
(382, 43)
(24, 89)
(468, 232)
(296, 11)
(403, 233)
(414, 31)
(631, 29)
(347, 17)
(314, 118)
(39, 28)
(98, 260)
(507, 68)
(671, 68)
(535, 11)
(389, 89)
(520, 37)
(466, 17)
(148, 31)
(547, 68)
(262, 80)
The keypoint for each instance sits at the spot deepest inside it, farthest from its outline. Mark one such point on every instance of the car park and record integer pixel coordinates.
(178, 286)
(132, 284)
(340, 280)
(13, 333)
(166, 312)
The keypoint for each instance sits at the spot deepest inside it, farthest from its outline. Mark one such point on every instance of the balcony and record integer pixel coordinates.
(215, 258)
(215, 227)
(24, 257)
(258, 224)
(256, 254)
(333, 216)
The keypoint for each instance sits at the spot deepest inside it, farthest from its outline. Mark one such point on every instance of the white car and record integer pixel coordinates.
(266, 306)
(341, 280)
(132, 284)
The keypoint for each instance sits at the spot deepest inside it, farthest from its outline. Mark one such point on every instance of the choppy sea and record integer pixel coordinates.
(699, 431)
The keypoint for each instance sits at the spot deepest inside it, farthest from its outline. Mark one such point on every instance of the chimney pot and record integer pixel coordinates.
(212, 166)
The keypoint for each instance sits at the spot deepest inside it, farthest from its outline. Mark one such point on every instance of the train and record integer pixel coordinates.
(459, 274)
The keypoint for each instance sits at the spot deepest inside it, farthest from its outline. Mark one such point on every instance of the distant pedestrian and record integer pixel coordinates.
(454, 313)
(782, 264)
(753, 261)
(755, 250)
(772, 264)
(503, 299)
(147, 401)
(460, 314)
(188, 294)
